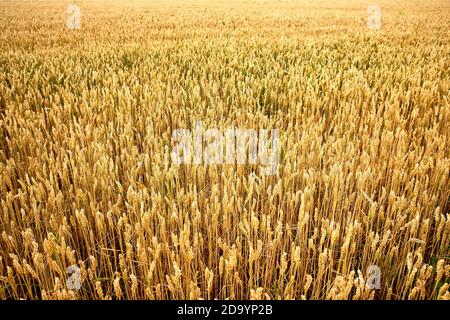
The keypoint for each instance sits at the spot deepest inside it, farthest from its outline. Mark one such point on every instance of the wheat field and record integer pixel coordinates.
(86, 177)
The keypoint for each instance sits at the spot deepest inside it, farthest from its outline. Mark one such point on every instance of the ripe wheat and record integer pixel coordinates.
(86, 179)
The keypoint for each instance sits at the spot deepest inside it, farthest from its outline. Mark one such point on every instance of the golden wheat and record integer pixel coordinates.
(86, 180)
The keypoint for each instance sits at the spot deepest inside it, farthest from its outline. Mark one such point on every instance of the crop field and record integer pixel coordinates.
(119, 179)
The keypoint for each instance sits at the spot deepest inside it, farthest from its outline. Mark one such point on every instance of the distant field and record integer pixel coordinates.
(94, 206)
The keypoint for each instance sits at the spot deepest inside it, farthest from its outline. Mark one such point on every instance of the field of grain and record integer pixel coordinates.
(88, 188)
